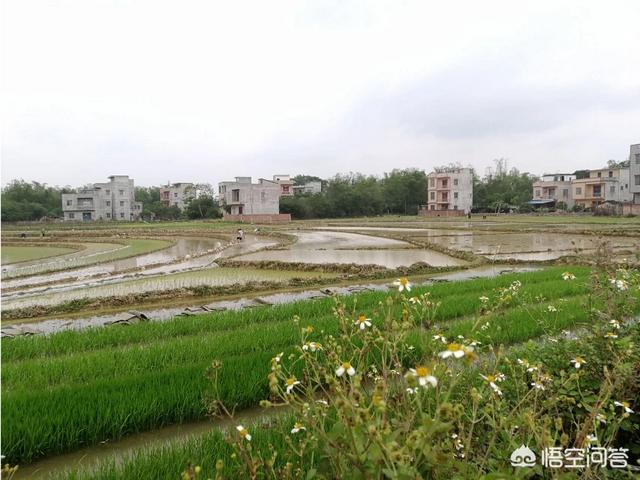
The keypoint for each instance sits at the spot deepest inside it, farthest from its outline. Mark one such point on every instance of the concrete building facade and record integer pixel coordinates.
(286, 185)
(243, 197)
(602, 185)
(113, 200)
(449, 191)
(553, 189)
(308, 188)
(634, 173)
(177, 194)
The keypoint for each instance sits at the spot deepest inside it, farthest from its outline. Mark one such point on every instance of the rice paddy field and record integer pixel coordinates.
(133, 401)
(17, 254)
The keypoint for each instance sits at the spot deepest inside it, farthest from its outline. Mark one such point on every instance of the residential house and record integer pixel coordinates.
(113, 200)
(634, 173)
(553, 189)
(253, 202)
(449, 192)
(308, 188)
(602, 185)
(177, 194)
(286, 185)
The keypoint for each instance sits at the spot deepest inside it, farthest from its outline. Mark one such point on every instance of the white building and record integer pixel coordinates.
(243, 197)
(177, 194)
(113, 200)
(634, 173)
(449, 192)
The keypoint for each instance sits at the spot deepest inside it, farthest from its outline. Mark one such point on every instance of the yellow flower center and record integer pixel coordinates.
(579, 360)
(422, 371)
(491, 378)
(291, 381)
(298, 426)
(243, 432)
(362, 319)
(346, 365)
(625, 404)
(453, 347)
(404, 281)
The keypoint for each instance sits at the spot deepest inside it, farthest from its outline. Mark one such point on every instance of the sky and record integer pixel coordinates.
(204, 91)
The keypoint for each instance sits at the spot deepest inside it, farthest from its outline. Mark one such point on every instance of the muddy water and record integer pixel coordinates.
(385, 258)
(315, 240)
(57, 325)
(117, 450)
(108, 272)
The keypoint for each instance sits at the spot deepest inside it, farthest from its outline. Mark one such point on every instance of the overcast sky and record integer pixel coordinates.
(208, 90)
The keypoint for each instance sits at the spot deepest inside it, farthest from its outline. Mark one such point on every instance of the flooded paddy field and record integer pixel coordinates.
(22, 253)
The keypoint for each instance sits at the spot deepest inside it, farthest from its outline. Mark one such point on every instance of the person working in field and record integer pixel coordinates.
(240, 236)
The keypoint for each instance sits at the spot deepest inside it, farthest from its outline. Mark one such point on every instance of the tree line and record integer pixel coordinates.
(399, 192)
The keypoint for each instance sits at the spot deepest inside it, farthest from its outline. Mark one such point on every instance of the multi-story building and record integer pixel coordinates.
(634, 173)
(177, 194)
(114, 200)
(286, 185)
(308, 188)
(449, 192)
(242, 197)
(602, 185)
(553, 189)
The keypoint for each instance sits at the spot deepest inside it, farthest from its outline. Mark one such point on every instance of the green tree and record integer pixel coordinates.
(23, 200)
(204, 206)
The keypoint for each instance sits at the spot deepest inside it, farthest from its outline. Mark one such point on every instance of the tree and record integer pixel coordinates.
(500, 190)
(204, 206)
(31, 201)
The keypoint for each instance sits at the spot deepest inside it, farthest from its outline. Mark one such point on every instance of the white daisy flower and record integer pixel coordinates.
(578, 362)
(243, 433)
(610, 335)
(297, 427)
(291, 382)
(423, 374)
(363, 322)
(453, 350)
(442, 338)
(626, 407)
(345, 367)
(403, 284)
(568, 276)
(492, 381)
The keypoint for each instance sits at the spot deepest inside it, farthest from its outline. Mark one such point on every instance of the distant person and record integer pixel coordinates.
(240, 236)
(43, 232)
(469, 215)
(23, 235)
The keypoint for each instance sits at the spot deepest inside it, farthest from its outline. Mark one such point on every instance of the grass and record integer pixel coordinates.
(17, 254)
(79, 388)
(94, 253)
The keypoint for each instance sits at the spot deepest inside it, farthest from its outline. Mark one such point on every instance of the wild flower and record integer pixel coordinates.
(610, 335)
(244, 434)
(278, 357)
(415, 300)
(485, 326)
(411, 391)
(424, 377)
(345, 367)
(614, 324)
(442, 338)
(311, 346)
(568, 276)
(484, 299)
(297, 427)
(493, 380)
(626, 407)
(453, 350)
(537, 385)
(552, 309)
(578, 362)
(620, 284)
(363, 322)
(291, 382)
(601, 418)
(403, 283)
(591, 438)
(525, 363)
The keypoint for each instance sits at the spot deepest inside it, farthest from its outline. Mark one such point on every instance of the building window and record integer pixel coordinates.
(578, 190)
(444, 183)
(122, 203)
(612, 189)
(121, 192)
(637, 179)
(455, 182)
(108, 215)
(69, 203)
(455, 195)
(537, 193)
(433, 207)
(433, 195)
(235, 195)
(637, 158)
(175, 194)
(108, 203)
(432, 182)
(597, 191)
(610, 174)
(121, 214)
(72, 215)
(565, 193)
(108, 192)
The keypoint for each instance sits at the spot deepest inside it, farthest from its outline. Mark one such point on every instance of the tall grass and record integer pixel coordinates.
(79, 388)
